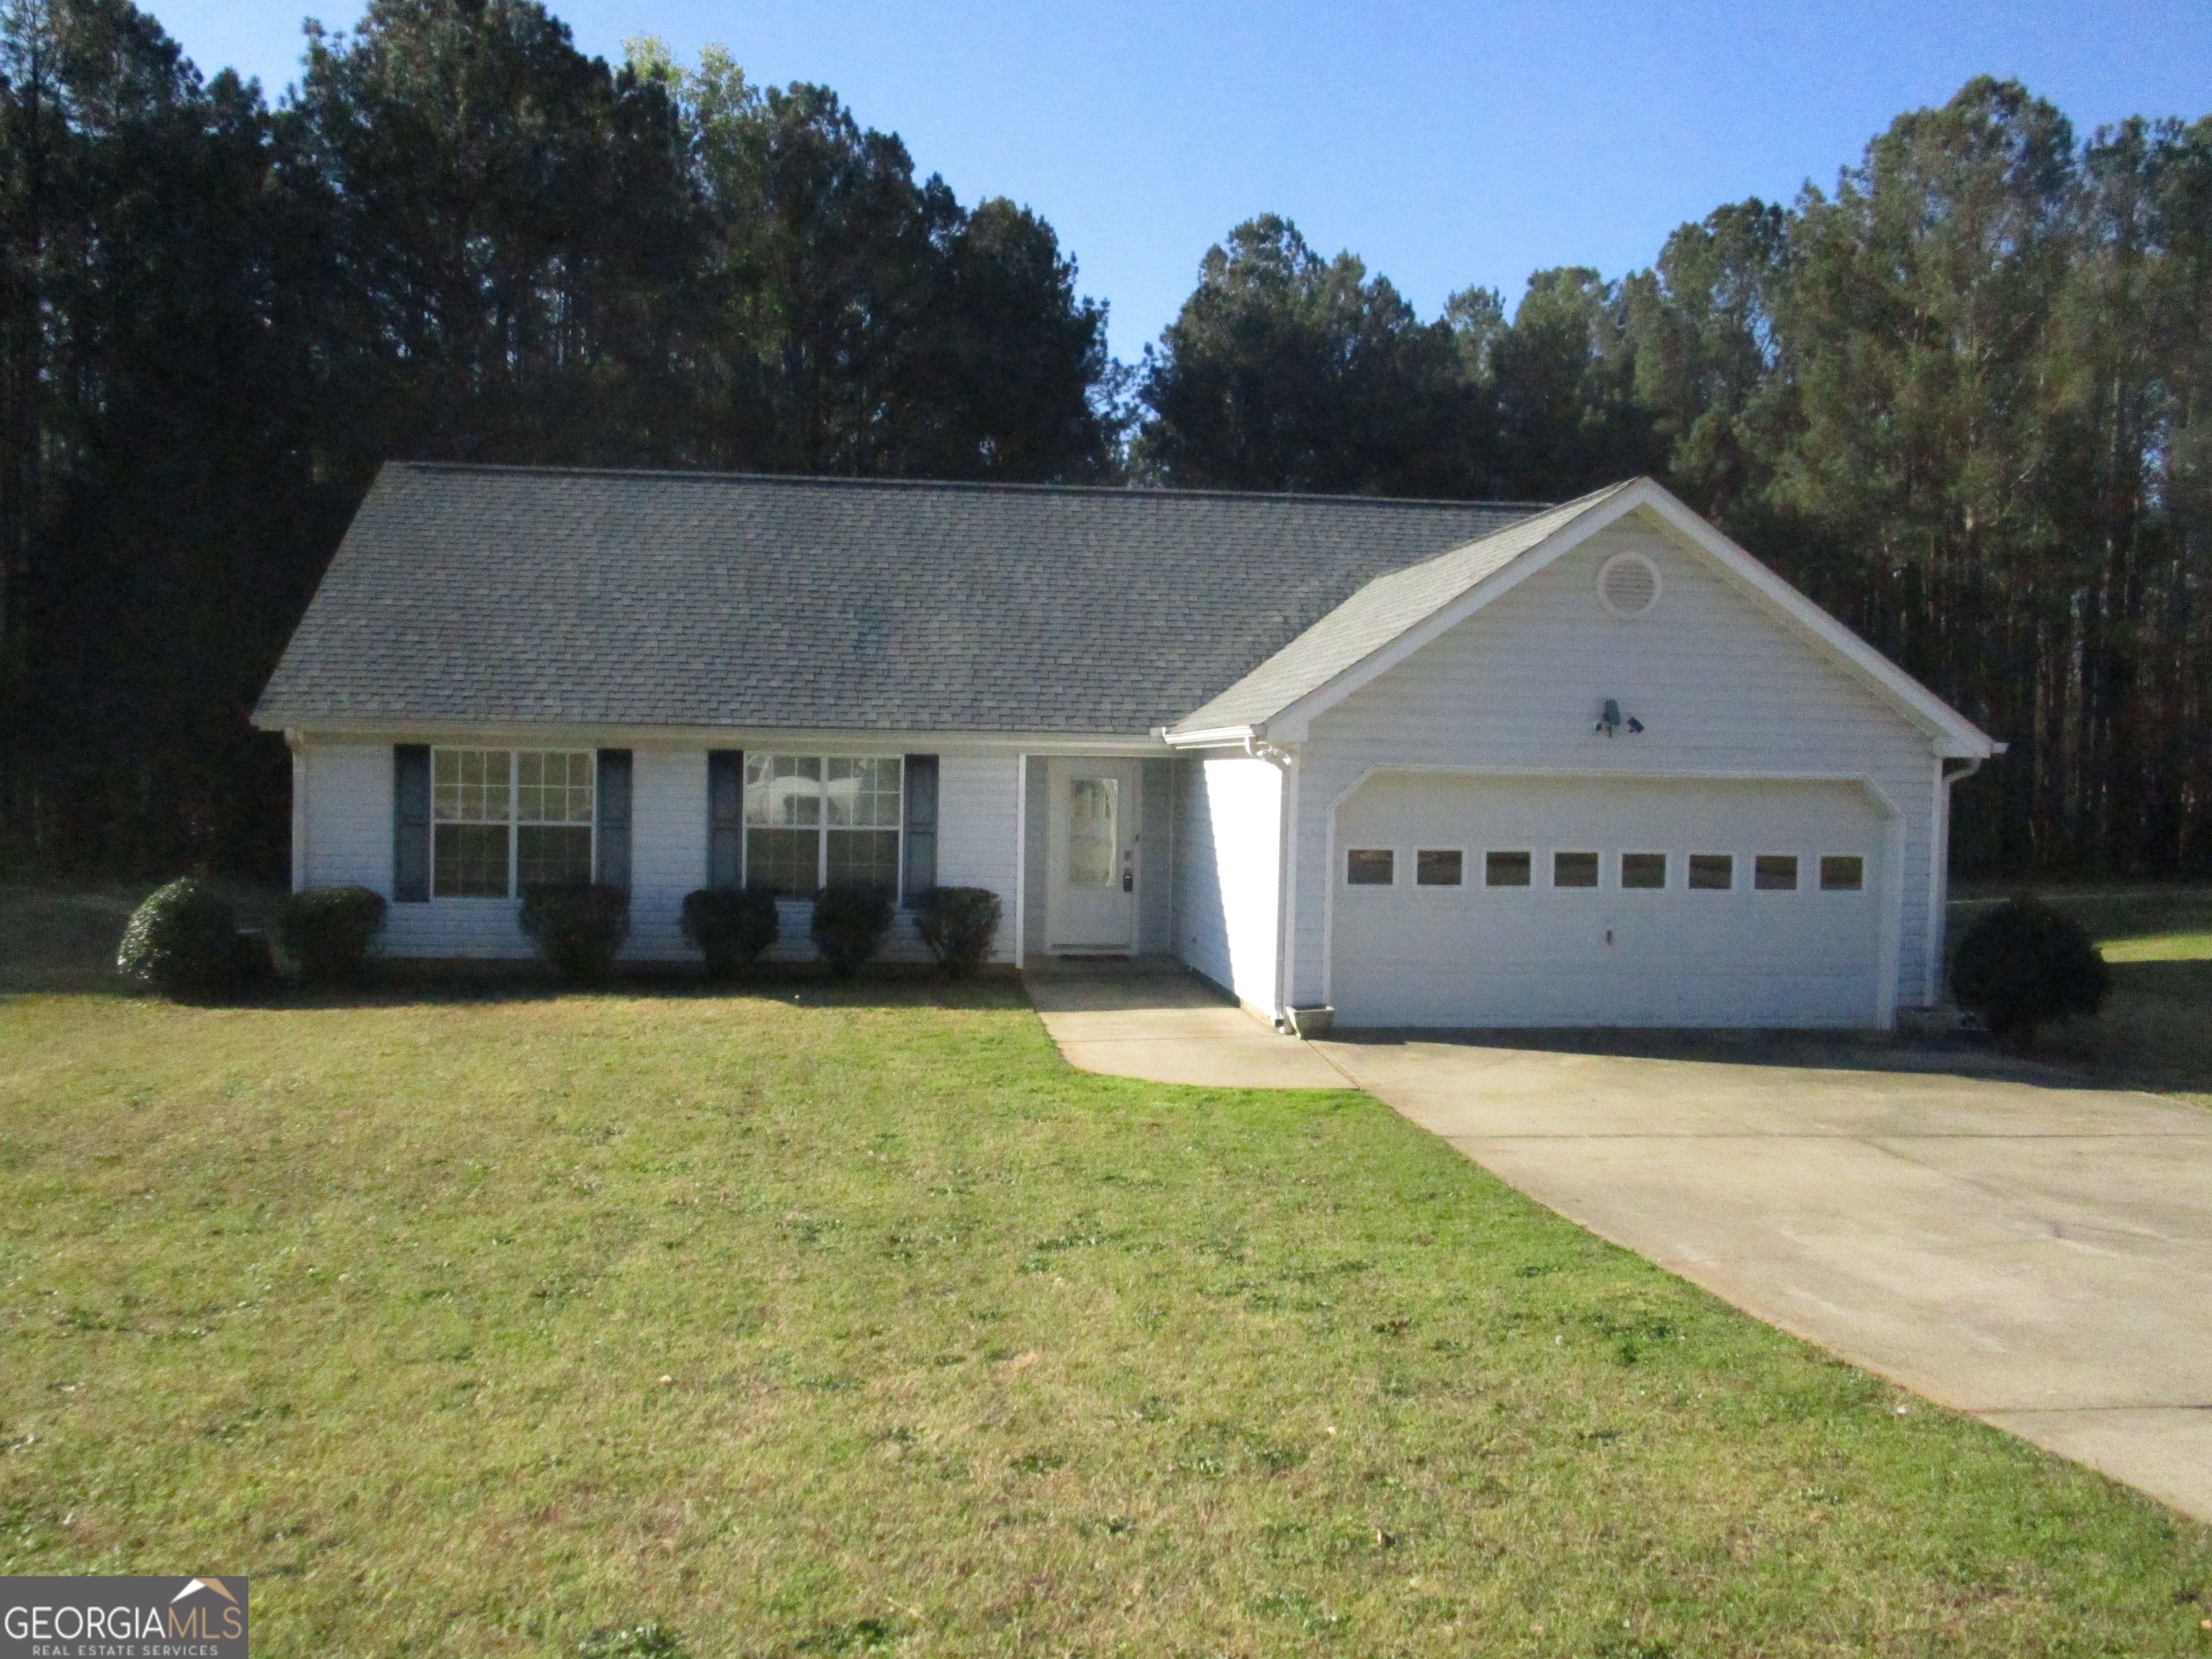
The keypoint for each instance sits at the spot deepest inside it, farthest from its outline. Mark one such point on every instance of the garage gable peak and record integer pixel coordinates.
(1395, 615)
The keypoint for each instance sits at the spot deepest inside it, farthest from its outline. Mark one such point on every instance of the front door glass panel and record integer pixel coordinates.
(1093, 838)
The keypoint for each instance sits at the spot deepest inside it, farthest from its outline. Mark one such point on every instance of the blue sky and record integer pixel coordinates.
(1446, 145)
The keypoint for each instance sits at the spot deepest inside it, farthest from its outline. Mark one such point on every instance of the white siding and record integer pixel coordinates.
(1721, 684)
(667, 849)
(347, 815)
(1228, 871)
(978, 837)
(345, 819)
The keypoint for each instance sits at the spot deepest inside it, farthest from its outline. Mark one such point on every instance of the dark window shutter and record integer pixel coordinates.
(726, 818)
(920, 825)
(614, 817)
(410, 822)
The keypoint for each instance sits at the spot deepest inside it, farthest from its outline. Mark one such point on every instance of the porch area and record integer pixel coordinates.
(1150, 1018)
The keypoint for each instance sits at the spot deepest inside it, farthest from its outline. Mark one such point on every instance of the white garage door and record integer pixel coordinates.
(1537, 901)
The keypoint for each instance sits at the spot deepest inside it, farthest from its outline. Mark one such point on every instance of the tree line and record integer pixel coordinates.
(1959, 397)
(1963, 398)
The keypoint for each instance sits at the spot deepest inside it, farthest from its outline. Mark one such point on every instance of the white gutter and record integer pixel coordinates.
(1214, 737)
(835, 740)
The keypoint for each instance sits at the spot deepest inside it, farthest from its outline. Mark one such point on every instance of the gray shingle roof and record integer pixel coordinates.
(464, 593)
(1377, 614)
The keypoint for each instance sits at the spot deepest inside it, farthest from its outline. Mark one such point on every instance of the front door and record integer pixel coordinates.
(1091, 866)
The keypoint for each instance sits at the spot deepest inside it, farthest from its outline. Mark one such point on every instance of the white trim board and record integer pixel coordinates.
(828, 740)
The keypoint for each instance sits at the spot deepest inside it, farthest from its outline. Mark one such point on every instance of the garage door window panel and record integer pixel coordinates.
(1712, 872)
(1439, 867)
(1371, 866)
(1576, 870)
(1842, 872)
(1643, 872)
(1507, 869)
(1775, 872)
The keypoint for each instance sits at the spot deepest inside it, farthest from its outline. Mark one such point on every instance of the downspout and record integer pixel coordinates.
(1941, 921)
(1286, 885)
(296, 741)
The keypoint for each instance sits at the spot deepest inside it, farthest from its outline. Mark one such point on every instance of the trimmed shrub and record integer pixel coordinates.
(578, 926)
(182, 943)
(2024, 964)
(730, 925)
(850, 920)
(326, 931)
(958, 924)
(252, 963)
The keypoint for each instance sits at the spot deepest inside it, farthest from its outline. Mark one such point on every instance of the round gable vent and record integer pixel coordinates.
(1628, 585)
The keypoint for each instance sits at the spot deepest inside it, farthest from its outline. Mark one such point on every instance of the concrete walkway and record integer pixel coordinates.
(1154, 1018)
(2038, 1256)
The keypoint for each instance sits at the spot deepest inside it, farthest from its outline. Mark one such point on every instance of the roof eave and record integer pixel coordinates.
(1952, 735)
(1212, 737)
(1293, 718)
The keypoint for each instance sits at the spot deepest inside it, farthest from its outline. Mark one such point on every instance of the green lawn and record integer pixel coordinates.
(819, 1322)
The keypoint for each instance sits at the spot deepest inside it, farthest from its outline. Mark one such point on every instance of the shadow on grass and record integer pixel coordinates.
(64, 943)
(2155, 1033)
(1961, 1054)
(2152, 1035)
(891, 985)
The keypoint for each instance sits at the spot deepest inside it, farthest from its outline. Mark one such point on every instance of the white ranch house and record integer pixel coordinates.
(1427, 764)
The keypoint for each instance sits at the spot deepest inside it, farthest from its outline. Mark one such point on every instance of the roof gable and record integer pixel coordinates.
(1395, 615)
(490, 594)
(1372, 620)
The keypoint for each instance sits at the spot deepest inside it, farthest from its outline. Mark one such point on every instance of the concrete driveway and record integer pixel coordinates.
(2038, 1256)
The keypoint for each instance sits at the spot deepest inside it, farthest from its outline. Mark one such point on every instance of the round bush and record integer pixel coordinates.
(252, 963)
(2024, 964)
(182, 943)
(730, 925)
(326, 931)
(578, 926)
(958, 924)
(850, 920)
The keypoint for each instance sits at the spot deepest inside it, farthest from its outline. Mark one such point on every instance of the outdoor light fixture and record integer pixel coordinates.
(1609, 721)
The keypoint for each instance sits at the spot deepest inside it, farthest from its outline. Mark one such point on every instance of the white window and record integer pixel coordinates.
(812, 820)
(504, 819)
